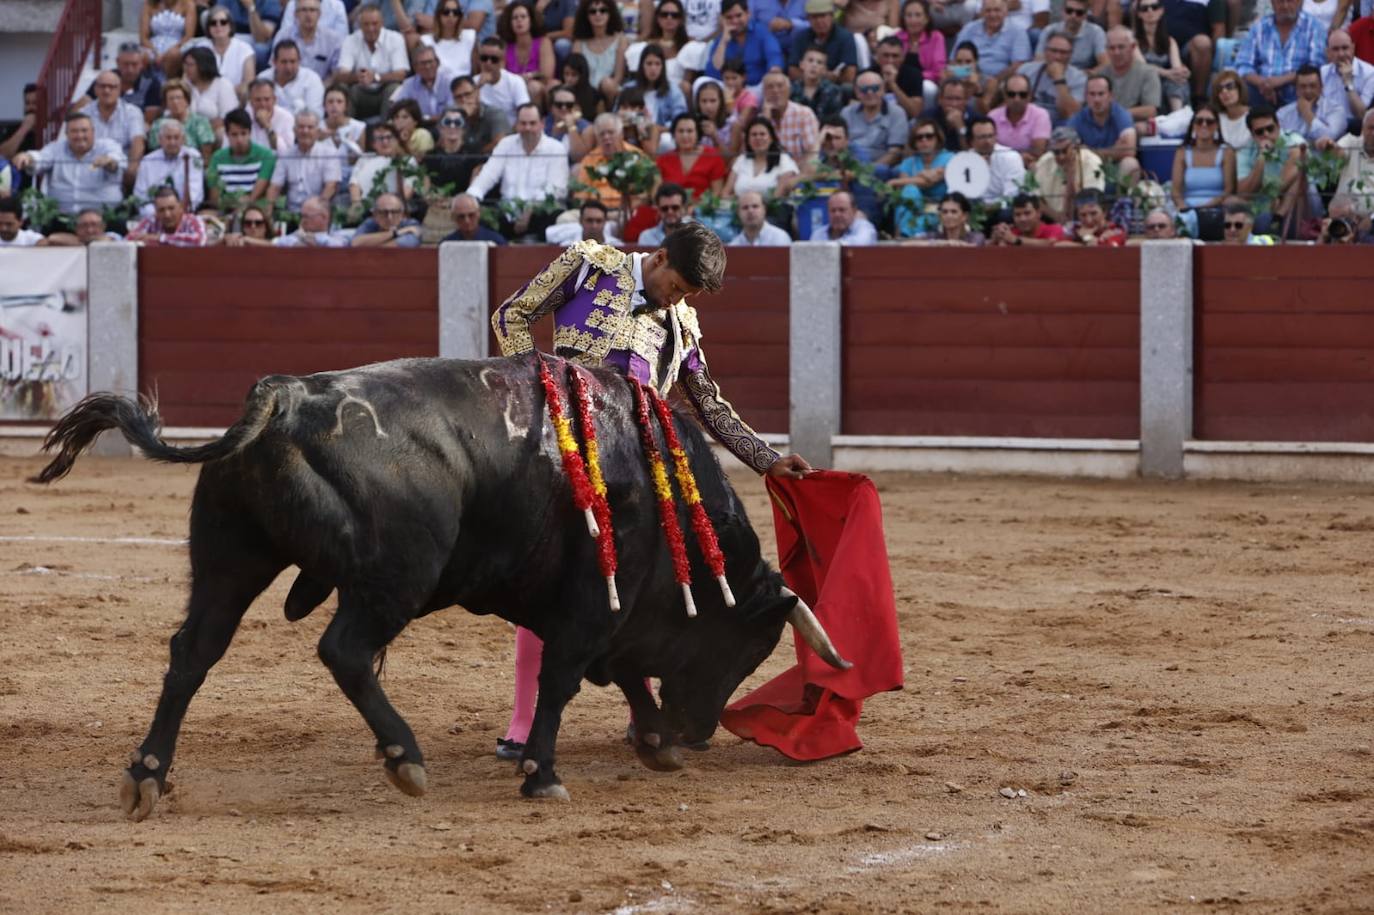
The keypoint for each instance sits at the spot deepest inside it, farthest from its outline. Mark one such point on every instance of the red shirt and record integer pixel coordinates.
(1110, 235)
(1362, 34)
(1046, 230)
(709, 166)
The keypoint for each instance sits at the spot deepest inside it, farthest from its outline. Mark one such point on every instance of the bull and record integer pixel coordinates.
(415, 485)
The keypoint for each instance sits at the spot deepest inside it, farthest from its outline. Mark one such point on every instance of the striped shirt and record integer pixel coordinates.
(238, 174)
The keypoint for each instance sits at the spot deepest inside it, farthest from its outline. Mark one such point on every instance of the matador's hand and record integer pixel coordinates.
(793, 466)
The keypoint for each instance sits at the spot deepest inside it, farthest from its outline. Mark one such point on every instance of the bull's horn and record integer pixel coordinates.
(813, 633)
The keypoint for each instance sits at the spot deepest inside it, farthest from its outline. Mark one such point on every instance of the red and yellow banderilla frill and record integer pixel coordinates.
(601, 506)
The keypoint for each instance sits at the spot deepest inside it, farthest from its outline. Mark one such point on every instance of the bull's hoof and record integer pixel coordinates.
(554, 792)
(660, 759)
(138, 798)
(409, 777)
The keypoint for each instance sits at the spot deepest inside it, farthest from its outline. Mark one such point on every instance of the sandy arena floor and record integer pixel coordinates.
(1179, 676)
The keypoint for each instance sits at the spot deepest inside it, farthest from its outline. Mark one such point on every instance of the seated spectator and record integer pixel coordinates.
(235, 58)
(140, 84)
(813, 90)
(662, 98)
(1347, 81)
(834, 164)
(673, 210)
(599, 36)
(81, 171)
(1092, 226)
(1195, 26)
(1027, 226)
(382, 168)
(173, 164)
(24, 137)
(212, 96)
(952, 112)
(1204, 173)
(921, 180)
(116, 120)
(388, 226)
(467, 219)
(1228, 98)
(1135, 84)
(710, 106)
(242, 168)
(1064, 171)
(319, 44)
(333, 16)
(90, 227)
(566, 125)
(273, 126)
(841, 54)
(1269, 162)
(372, 63)
(527, 167)
(405, 117)
(169, 225)
(483, 124)
(1341, 226)
(610, 139)
(409, 18)
(451, 41)
(1357, 176)
(953, 229)
(700, 169)
(1105, 127)
(741, 102)
(196, 127)
(298, 88)
(877, 129)
(498, 87)
(762, 166)
(255, 22)
(1308, 116)
(794, 125)
(1240, 226)
(906, 92)
(343, 132)
(254, 229)
(308, 169)
(1088, 40)
(1159, 49)
(165, 27)
(1275, 47)
(1002, 46)
(924, 46)
(314, 231)
(979, 88)
(744, 40)
(12, 231)
(429, 88)
(591, 225)
(576, 78)
(847, 224)
(528, 54)
(639, 128)
(1006, 170)
(1021, 125)
(1159, 225)
(755, 229)
(448, 165)
(1031, 15)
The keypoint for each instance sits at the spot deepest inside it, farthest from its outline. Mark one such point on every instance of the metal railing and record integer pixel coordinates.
(77, 35)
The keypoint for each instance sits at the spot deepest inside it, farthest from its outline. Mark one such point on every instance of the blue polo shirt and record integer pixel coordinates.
(995, 52)
(765, 11)
(760, 54)
(838, 47)
(1104, 136)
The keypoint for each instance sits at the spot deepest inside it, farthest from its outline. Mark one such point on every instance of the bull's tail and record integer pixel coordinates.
(140, 424)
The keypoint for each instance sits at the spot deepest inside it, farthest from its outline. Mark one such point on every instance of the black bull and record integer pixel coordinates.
(415, 485)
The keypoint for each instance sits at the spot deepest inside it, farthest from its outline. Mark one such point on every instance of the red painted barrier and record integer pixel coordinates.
(1284, 344)
(991, 342)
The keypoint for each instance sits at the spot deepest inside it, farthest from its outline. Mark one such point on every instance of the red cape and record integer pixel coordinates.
(829, 528)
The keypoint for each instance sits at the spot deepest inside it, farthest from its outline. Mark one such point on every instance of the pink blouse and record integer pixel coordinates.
(930, 48)
(531, 65)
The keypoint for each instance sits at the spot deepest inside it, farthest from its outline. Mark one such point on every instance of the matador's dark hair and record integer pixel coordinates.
(696, 253)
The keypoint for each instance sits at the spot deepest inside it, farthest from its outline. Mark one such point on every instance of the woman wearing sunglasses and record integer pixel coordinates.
(1204, 175)
(599, 36)
(453, 43)
(921, 179)
(255, 229)
(234, 57)
(668, 30)
(1161, 52)
(1229, 100)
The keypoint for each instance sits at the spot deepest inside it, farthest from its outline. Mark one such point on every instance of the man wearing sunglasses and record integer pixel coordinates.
(498, 87)
(1239, 226)
(1088, 40)
(1064, 171)
(877, 130)
(1021, 125)
(372, 63)
(1159, 225)
(1271, 157)
(388, 226)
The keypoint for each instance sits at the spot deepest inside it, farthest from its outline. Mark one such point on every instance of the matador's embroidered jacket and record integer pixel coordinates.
(601, 318)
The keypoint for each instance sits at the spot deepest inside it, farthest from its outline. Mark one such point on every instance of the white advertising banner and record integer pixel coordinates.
(42, 331)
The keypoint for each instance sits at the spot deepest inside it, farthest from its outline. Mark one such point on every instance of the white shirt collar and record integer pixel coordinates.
(637, 300)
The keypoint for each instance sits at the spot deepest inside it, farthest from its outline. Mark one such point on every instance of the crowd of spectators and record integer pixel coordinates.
(399, 123)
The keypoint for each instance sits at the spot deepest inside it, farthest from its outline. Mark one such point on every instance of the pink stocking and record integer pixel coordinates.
(528, 651)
